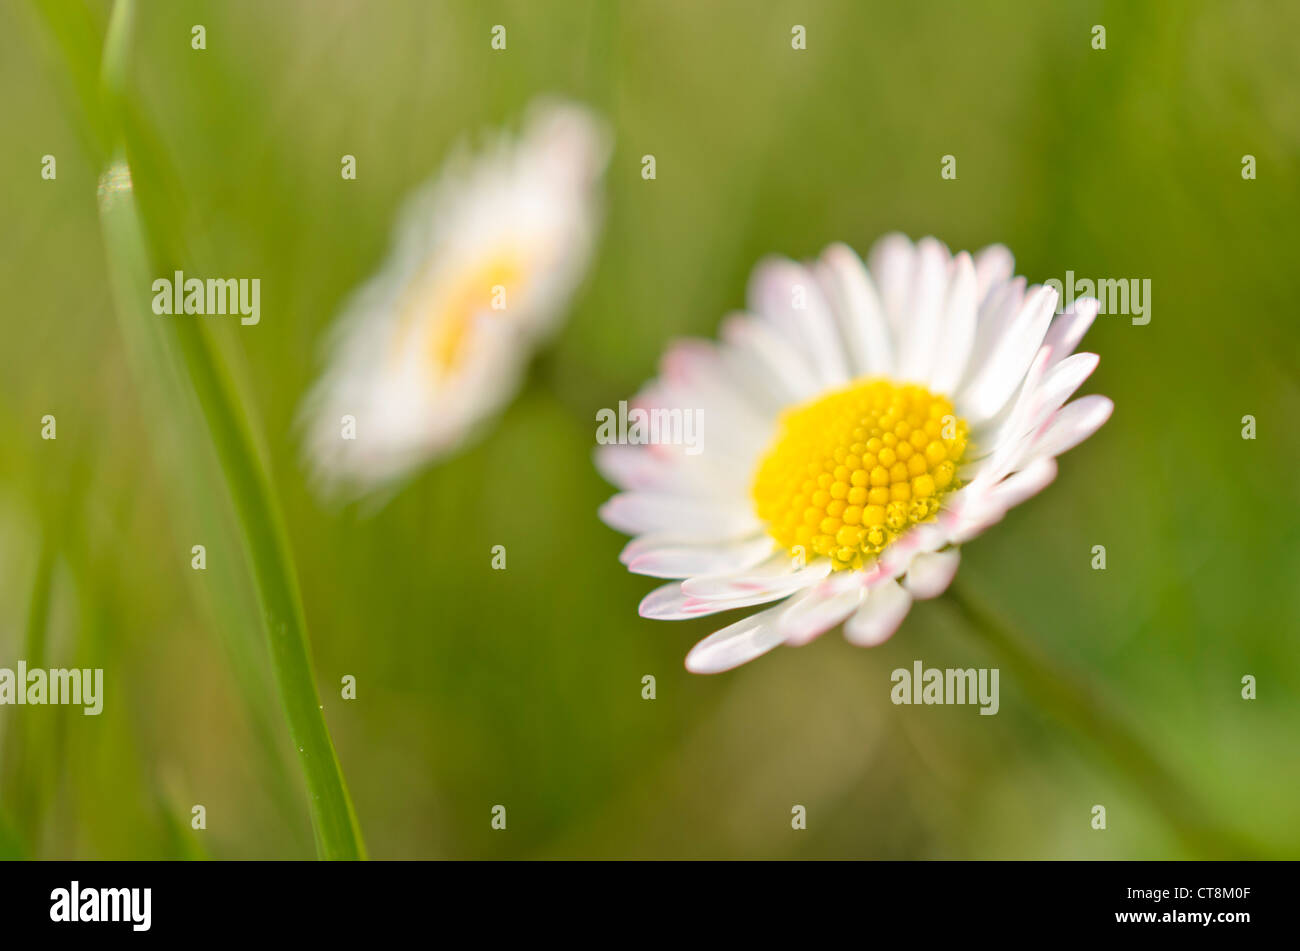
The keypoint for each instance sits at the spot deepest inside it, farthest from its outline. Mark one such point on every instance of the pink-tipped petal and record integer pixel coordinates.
(736, 643)
(778, 576)
(879, 616)
(1073, 424)
(812, 616)
(930, 574)
(688, 561)
(1009, 361)
(1068, 328)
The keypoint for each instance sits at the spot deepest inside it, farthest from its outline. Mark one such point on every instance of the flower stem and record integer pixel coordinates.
(1089, 715)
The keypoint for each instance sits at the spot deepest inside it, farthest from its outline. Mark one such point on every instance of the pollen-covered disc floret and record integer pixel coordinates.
(851, 471)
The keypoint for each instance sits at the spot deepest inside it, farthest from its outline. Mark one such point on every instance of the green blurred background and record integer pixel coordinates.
(523, 687)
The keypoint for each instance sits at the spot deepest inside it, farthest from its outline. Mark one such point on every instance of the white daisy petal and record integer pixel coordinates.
(675, 560)
(890, 263)
(702, 607)
(862, 316)
(929, 575)
(789, 297)
(698, 370)
(673, 605)
(1014, 418)
(812, 616)
(777, 577)
(1018, 486)
(1067, 329)
(1045, 391)
(636, 512)
(669, 603)
(1072, 425)
(637, 468)
(484, 261)
(1010, 359)
(1057, 385)
(648, 542)
(780, 363)
(749, 373)
(731, 440)
(926, 537)
(1061, 381)
(665, 603)
(972, 512)
(879, 616)
(994, 266)
(997, 309)
(736, 643)
(957, 327)
(923, 323)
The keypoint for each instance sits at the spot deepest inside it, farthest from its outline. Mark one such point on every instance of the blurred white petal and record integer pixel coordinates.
(484, 263)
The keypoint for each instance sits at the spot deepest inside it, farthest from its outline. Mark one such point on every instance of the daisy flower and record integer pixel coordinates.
(863, 422)
(485, 259)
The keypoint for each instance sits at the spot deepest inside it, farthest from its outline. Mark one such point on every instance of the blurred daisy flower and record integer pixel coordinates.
(484, 263)
(863, 422)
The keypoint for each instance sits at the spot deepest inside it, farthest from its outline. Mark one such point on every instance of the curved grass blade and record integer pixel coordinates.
(183, 351)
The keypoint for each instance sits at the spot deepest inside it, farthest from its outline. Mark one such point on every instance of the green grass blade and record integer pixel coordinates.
(183, 348)
(26, 773)
(184, 455)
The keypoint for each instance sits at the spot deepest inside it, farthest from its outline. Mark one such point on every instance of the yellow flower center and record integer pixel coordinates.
(852, 470)
(444, 311)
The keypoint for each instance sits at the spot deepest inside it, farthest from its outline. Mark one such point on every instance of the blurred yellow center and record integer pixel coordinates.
(485, 291)
(849, 472)
(445, 311)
